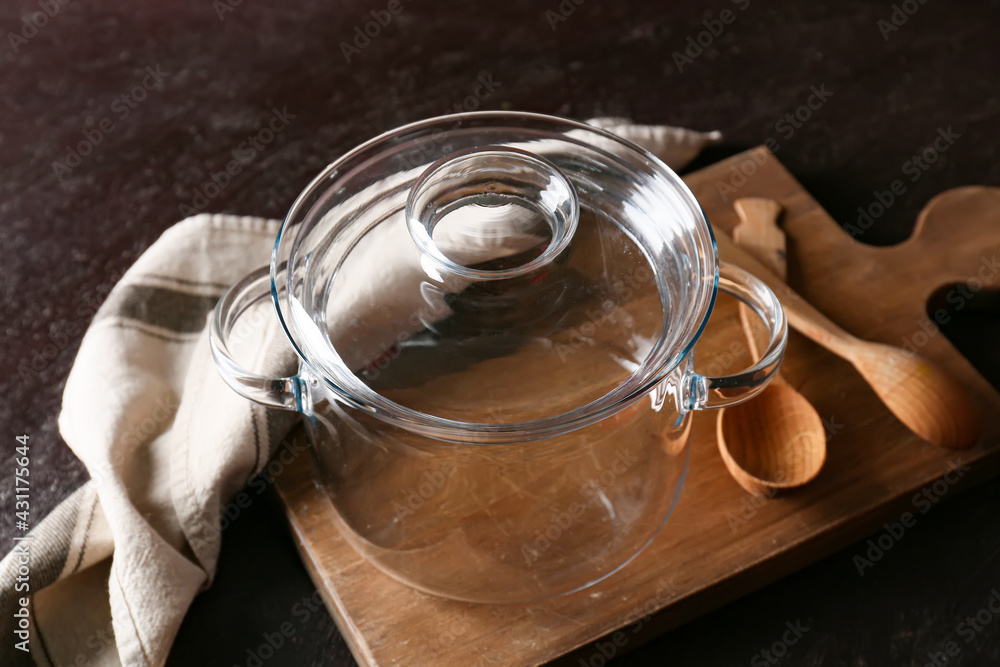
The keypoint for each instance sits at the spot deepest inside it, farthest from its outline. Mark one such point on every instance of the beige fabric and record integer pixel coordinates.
(167, 443)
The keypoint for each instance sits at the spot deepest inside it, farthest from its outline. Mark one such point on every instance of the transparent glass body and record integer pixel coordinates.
(516, 522)
(493, 316)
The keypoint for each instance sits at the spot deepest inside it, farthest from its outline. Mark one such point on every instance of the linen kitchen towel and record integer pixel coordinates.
(108, 576)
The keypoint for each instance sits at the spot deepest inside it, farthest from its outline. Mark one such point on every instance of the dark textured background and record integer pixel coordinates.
(64, 242)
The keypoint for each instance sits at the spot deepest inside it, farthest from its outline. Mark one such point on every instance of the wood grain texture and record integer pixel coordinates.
(776, 441)
(759, 233)
(921, 393)
(709, 554)
(65, 244)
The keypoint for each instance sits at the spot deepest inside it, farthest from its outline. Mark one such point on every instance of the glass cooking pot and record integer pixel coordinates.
(493, 317)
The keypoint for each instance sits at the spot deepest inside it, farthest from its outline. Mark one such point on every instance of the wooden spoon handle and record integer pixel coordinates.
(801, 315)
(921, 395)
(759, 233)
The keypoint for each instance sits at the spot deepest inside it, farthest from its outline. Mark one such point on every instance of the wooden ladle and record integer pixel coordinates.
(777, 440)
(921, 395)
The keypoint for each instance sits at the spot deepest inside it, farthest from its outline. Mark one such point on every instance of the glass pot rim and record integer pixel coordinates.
(347, 387)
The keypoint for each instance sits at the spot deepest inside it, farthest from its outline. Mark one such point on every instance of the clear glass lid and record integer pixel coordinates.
(492, 275)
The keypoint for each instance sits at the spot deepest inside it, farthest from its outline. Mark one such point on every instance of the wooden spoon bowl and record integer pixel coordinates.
(919, 393)
(776, 441)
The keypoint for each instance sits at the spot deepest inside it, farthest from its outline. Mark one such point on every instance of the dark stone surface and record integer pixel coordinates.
(66, 237)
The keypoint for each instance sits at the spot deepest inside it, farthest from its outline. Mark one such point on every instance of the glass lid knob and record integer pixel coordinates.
(487, 197)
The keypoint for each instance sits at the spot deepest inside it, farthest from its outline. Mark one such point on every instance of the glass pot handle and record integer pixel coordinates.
(289, 393)
(707, 392)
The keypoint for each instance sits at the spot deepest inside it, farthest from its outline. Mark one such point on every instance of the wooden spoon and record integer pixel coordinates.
(777, 440)
(921, 395)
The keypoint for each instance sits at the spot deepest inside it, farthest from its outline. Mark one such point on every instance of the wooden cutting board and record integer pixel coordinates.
(721, 544)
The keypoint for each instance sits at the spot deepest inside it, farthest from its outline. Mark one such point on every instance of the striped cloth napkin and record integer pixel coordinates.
(113, 569)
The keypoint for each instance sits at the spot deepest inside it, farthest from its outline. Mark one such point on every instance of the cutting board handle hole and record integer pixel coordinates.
(970, 319)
